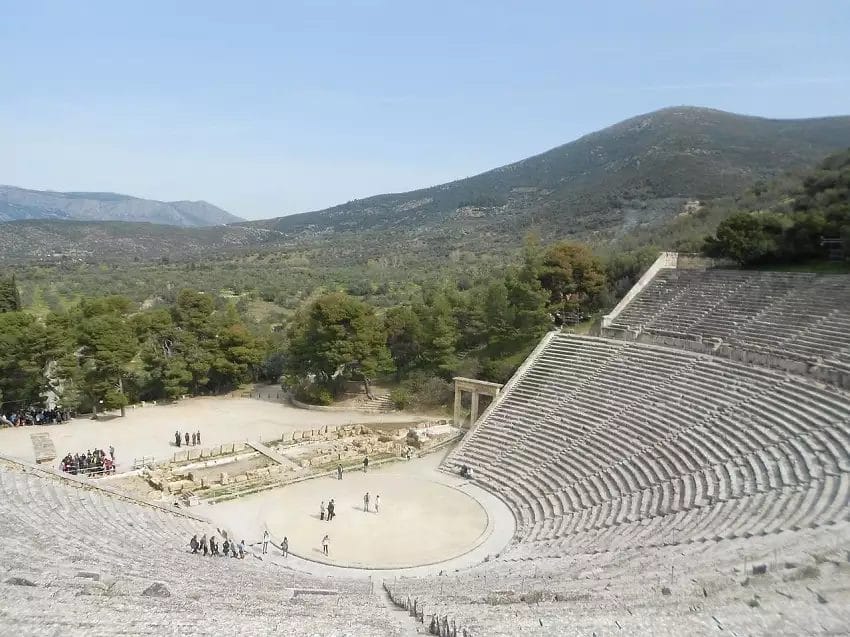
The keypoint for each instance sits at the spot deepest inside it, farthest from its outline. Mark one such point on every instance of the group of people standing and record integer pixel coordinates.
(367, 499)
(93, 463)
(284, 545)
(331, 510)
(211, 547)
(34, 416)
(195, 438)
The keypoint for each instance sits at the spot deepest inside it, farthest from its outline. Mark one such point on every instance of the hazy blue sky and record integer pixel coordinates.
(279, 107)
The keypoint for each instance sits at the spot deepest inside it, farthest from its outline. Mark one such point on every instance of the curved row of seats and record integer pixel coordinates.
(666, 589)
(797, 315)
(643, 431)
(62, 539)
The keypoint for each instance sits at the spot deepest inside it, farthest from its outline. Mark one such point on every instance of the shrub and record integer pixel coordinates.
(401, 398)
(313, 394)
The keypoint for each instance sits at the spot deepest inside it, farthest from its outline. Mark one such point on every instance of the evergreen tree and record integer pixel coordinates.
(10, 298)
(336, 335)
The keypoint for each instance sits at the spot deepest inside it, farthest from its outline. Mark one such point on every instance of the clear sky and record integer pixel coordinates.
(270, 108)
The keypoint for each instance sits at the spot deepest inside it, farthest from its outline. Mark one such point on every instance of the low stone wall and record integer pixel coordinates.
(193, 454)
(822, 372)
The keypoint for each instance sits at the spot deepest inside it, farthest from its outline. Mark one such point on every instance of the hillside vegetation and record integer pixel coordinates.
(640, 171)
(624, 181)
(811, 222)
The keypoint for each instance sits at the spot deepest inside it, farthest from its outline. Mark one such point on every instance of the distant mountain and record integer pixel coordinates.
(640, 171)
(20, 203)
(617, 183)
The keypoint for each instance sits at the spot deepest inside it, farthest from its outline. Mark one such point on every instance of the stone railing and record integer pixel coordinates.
(668, 260)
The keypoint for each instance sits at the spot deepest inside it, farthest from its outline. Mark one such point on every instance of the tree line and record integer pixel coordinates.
(105, 352)
(484, 330)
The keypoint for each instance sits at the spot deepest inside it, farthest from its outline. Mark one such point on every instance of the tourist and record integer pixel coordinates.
(377, 503)
(194, 439)
(366, 502)
(266, 540)
(325, 543)
(331, 507)
(204, 545)
(339, 472)
(112, 453)
(365, 464)
(213, 546)
(242, 550)
(322, 510)
(226, 547)
(198, 434)
(233, 548)
(193, 543)
(284, 546)
(187, 438)
(177, 438)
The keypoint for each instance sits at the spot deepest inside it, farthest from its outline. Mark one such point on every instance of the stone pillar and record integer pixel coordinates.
(473, 416)
(458, 394)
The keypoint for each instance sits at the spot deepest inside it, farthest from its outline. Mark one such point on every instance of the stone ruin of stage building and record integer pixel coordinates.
(241, 468)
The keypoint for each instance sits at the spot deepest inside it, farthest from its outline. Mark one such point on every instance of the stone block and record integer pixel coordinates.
(194, 454)
(157, 589)
(224, 478)
(296, 435)
(241, 478)
(238, 447)
(227, 448)
(181, 456)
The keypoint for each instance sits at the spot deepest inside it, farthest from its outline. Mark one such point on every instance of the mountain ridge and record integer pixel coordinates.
(628, 178)
(723, 151)
(18, 204)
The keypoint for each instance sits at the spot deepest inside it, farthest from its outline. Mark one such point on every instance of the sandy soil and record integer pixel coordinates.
(149, 431)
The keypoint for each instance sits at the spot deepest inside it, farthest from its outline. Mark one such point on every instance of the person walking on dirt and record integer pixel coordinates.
(284, 546)
(366, 502)
(265, 541)
(339, 472)
(325, 544)
(322, 511)
(365, 463)
(177, 438)
(186, 438)
(331, 507)
(377, 503)
(204, 545)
